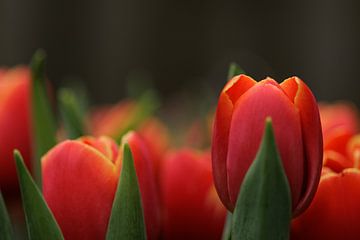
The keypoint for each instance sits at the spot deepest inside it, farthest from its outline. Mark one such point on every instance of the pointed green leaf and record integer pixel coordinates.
(234, 70)
(41, 223)
(71, 113)
(127, 218)
(5, 224)
(263, 208)
(44, 125)
(227, 228)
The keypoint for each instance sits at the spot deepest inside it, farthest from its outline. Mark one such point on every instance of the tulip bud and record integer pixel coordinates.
(192, 209)
(80, 179)
(242, 109)
(15, 127)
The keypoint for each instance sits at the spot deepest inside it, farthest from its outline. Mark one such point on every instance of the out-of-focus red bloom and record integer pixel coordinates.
(156, 136)
(115, 120)
(192, 209)
(242, 109)
(15, 123)
(335, 210)
(79, 184)
(339, 123)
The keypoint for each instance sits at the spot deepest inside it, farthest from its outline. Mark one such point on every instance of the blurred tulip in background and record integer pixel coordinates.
(15, 123)
(191, 206)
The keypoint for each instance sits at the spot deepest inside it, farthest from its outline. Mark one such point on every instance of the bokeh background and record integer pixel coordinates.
(183, 48)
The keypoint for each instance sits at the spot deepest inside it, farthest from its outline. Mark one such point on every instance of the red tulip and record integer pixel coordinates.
(156, 136)
(242, 109)
(339, 123)
(192, 209)
(335, 211)
(15, 123)
(79, 184)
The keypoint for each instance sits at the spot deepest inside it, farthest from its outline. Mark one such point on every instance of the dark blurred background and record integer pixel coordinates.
(183, 48)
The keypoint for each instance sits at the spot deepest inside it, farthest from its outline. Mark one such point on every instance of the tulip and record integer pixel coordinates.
(192, 209)
(339, 123)
(114, 120)
(80, 179)
(242, 109)
(156, 135)
(15, 124)
(335, 211)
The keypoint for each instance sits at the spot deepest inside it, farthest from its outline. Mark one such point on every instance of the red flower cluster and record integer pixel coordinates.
(335, 211)
(179, 196)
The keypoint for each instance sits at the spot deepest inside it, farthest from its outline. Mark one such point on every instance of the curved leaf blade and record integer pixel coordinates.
(5, 224)
(40, 222)
(44, 125)
(71, 113)
(234, 69)
(127, 217)
(263, 208)
(227, 227)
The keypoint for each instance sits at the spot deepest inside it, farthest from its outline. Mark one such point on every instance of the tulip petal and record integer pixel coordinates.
(265, 99)
(15, 127)
(336, 161)
(228, 97)
(192, 209)
(334, 212)
(79, 184)
(306, 104)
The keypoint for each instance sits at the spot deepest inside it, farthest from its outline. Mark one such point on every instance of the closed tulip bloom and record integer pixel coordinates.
(80, 179)
(242, 109)
(15, 123)
(191, 207)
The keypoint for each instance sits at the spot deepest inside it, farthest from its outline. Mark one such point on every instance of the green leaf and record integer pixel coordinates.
(5, 224)
(263, 208)
(44, 125)
(127, 218)
(145, 107)
(234, 70)
(71, 113)
(41, 223)
(227, 228)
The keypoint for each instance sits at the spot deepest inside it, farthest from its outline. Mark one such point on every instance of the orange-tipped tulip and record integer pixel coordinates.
(335, 211)
(192, 209)
(339, 123)
(79, 184)
(242, 109)
(15, 123)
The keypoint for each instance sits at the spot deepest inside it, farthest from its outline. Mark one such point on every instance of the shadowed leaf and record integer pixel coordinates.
(40, 222)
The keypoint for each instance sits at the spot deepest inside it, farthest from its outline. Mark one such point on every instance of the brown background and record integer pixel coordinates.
(184, 47)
